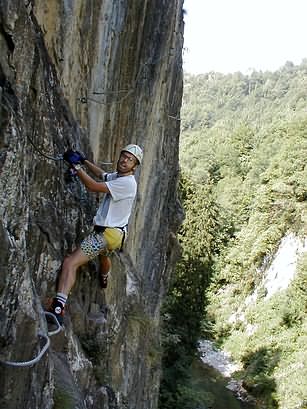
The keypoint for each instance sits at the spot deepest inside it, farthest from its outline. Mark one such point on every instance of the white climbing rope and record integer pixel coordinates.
(59, 328)
(43, 350)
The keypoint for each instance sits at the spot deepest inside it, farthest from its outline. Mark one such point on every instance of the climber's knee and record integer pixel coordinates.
(75, 260)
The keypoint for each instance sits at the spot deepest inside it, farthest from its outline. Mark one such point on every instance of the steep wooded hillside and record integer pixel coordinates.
(243, 156)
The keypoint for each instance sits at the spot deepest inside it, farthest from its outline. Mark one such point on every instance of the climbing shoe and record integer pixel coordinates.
(57, 309)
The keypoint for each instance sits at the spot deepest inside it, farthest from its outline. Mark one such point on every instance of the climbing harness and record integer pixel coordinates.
(43, 350)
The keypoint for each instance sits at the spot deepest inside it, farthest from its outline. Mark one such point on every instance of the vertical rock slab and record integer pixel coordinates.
(94, 75)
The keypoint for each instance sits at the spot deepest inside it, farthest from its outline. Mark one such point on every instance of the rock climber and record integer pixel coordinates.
(110, 221)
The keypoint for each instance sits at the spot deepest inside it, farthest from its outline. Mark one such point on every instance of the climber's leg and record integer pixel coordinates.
(90, 248)
(66, 281)
(104, 269)
(70, 265)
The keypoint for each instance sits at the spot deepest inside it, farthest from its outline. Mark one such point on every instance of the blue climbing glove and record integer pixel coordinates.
(82, 157)
(73, 157)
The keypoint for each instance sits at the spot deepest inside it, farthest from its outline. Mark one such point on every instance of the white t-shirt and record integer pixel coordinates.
(115, 209)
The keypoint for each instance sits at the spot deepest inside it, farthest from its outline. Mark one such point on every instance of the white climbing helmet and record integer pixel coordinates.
(135, 150)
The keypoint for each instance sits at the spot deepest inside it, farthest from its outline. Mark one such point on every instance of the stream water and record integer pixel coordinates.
(212, 376)
(213, 386)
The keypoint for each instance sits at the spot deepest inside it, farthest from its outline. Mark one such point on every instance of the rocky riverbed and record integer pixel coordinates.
(221, 361)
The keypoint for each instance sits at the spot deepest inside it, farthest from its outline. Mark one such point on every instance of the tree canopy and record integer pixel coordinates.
(243, 155)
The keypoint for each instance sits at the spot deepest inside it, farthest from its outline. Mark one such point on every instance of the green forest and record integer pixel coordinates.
(243, 188)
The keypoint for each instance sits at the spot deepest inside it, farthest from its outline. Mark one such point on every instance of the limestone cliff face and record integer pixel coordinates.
(94, 75)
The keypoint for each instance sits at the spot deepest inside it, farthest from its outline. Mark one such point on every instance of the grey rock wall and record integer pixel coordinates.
(94, 75)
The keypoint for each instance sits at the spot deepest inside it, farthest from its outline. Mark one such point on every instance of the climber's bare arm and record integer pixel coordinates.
(90, 183)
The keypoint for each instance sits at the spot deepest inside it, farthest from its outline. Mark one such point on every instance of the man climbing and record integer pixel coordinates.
(110, 222)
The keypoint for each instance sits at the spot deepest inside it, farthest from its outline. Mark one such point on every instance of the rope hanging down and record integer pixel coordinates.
(55, 158)
(42, 351)
(18, 120)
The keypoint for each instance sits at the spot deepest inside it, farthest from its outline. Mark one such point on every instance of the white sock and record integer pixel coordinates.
(62, 298)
